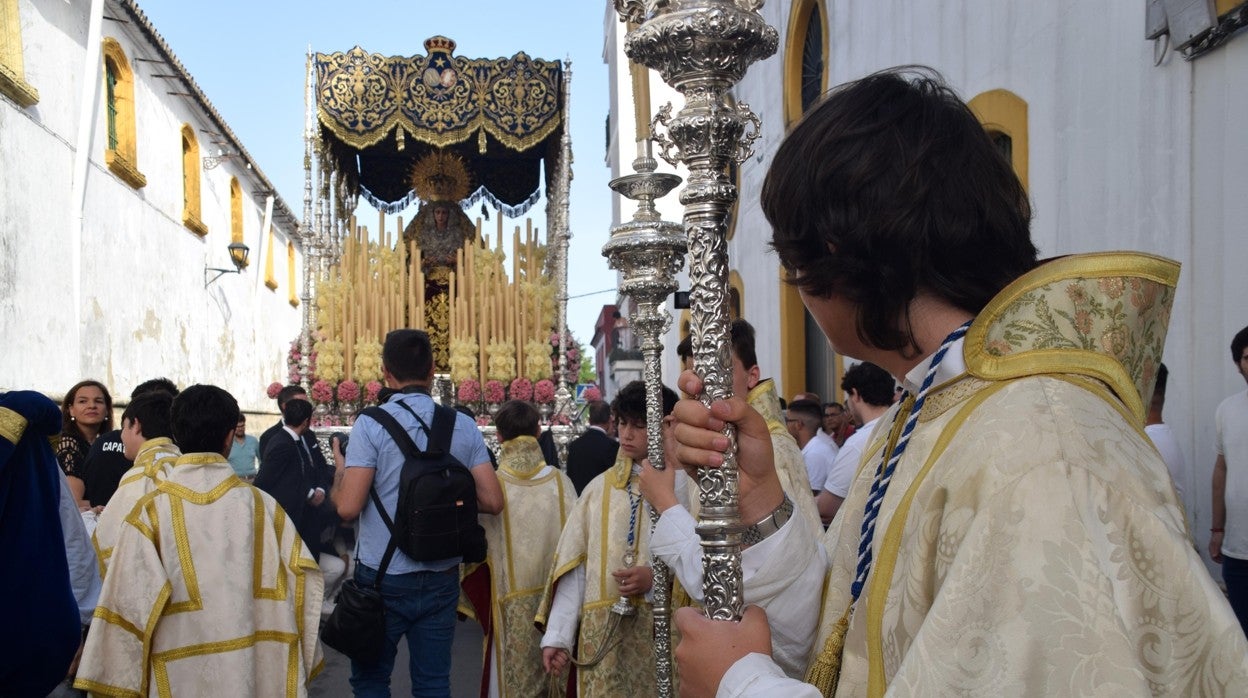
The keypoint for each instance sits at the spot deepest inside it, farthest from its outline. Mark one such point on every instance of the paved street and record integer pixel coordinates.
(465, 668)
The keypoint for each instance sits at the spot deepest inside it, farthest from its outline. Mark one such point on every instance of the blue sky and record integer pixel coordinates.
(248, 57)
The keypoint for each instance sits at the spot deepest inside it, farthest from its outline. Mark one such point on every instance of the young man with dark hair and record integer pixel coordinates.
(802, 419)
(146, 432)
(208, 592)
(1228, 539)
(106, 463)
(420, 595)
(592, 452)
(505, 592)
(291, 477)
(868, 395)
(285, 395)
(1013, 500)
(602, 556)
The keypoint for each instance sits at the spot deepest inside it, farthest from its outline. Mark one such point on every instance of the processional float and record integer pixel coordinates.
(448, 132)
(701, 48)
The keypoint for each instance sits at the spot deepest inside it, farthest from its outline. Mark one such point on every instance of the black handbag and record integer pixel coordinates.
(357, 627)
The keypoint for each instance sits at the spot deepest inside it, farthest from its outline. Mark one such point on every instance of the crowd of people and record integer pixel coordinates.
(983, 515)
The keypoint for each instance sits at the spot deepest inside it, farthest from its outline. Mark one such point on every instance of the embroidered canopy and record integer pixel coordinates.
(381, 114)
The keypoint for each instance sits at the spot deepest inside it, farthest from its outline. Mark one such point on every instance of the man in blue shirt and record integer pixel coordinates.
(420, 596)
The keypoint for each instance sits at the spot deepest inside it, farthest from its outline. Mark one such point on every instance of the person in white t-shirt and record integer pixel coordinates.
(1163, 437)
(1228, 538)
(868, 394)
(802, 421)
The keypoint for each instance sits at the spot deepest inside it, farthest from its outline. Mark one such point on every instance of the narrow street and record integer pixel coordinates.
(333, 682)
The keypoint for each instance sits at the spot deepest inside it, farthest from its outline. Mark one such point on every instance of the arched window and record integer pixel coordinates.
(12, 63)
(805, 58)
(190, 182)
(236, 211)
(290, 259)
(270, 279)
(806, 360)
(121, 154)
(1004, 116)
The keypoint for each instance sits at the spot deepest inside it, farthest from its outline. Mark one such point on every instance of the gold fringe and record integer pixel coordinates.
(825, 671)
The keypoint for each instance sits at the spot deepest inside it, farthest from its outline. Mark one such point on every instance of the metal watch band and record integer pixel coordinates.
(770, 524)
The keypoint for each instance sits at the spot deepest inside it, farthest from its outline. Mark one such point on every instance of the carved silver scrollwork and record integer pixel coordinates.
(702, 48)
(648, 252)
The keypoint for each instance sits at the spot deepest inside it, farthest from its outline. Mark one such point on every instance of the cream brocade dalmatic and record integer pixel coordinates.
(522, 542)
(211, 594)
(151, 465)
(596, 535)
(1030, 542)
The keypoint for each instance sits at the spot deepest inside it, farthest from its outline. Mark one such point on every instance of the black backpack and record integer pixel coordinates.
(436, 516)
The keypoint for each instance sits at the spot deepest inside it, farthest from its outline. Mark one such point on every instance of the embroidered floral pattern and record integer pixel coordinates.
(1125, 319)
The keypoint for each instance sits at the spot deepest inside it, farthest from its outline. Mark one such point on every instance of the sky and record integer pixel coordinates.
(248, 58)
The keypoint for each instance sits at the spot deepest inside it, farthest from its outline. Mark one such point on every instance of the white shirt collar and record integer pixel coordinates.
(292, 433)
(952, 366)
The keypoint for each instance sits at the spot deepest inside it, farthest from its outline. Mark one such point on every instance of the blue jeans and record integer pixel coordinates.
(420, 605)
(1235, 574)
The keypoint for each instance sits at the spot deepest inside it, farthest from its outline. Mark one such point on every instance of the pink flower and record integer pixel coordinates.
(494, 391)
(483, 421)
(469, 391)
(544, 392)
(372, 391)
(273, 389)
(521, 389)
(348, 391)
(322, 392)
(592, 394)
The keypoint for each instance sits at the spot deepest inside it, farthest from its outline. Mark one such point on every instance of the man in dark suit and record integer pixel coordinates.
(285, 395)
(291, 473)
(594, 451)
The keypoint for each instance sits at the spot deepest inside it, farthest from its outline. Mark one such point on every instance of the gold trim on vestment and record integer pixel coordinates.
(182, 540)
(160, 660)
(112, 617)
(890, 546)
(12, 424)
(278, 591)
(1032, 361)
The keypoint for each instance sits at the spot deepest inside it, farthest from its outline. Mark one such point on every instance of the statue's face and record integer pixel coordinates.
(440, 216)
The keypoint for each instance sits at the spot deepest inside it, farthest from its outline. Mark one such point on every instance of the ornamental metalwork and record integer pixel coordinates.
(648, 252)
(702, 48)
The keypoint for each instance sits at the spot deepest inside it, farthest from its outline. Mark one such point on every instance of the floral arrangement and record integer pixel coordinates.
(592, 394)
(348, 391)
(536, 360)
(330, 364)
(322, 392)
(520, 389)
(571, 350)
(367, 360)
(293, 357)
(494, 391)
(544, 392)
(273, 389)
(372, 392)
(501, 361)
(464, 358)
(562, 419)
(469, 391)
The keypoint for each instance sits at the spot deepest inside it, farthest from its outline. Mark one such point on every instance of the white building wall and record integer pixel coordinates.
(1123, 155)
(144, 309)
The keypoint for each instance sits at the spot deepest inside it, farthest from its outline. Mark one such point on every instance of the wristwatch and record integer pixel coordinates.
(770, 524)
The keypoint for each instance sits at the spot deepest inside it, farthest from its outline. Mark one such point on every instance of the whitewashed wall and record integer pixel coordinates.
(1123, 155)
(143, 306)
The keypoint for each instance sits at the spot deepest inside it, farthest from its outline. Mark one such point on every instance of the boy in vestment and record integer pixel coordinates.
(504, 592)
(210, 591)
(145, 437)
(602, 566)
(1010, 530)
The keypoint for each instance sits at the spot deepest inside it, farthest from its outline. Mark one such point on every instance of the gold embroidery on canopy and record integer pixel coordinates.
(12, 425)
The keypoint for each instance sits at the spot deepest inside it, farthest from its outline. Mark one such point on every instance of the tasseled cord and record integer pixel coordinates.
(825, 671)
